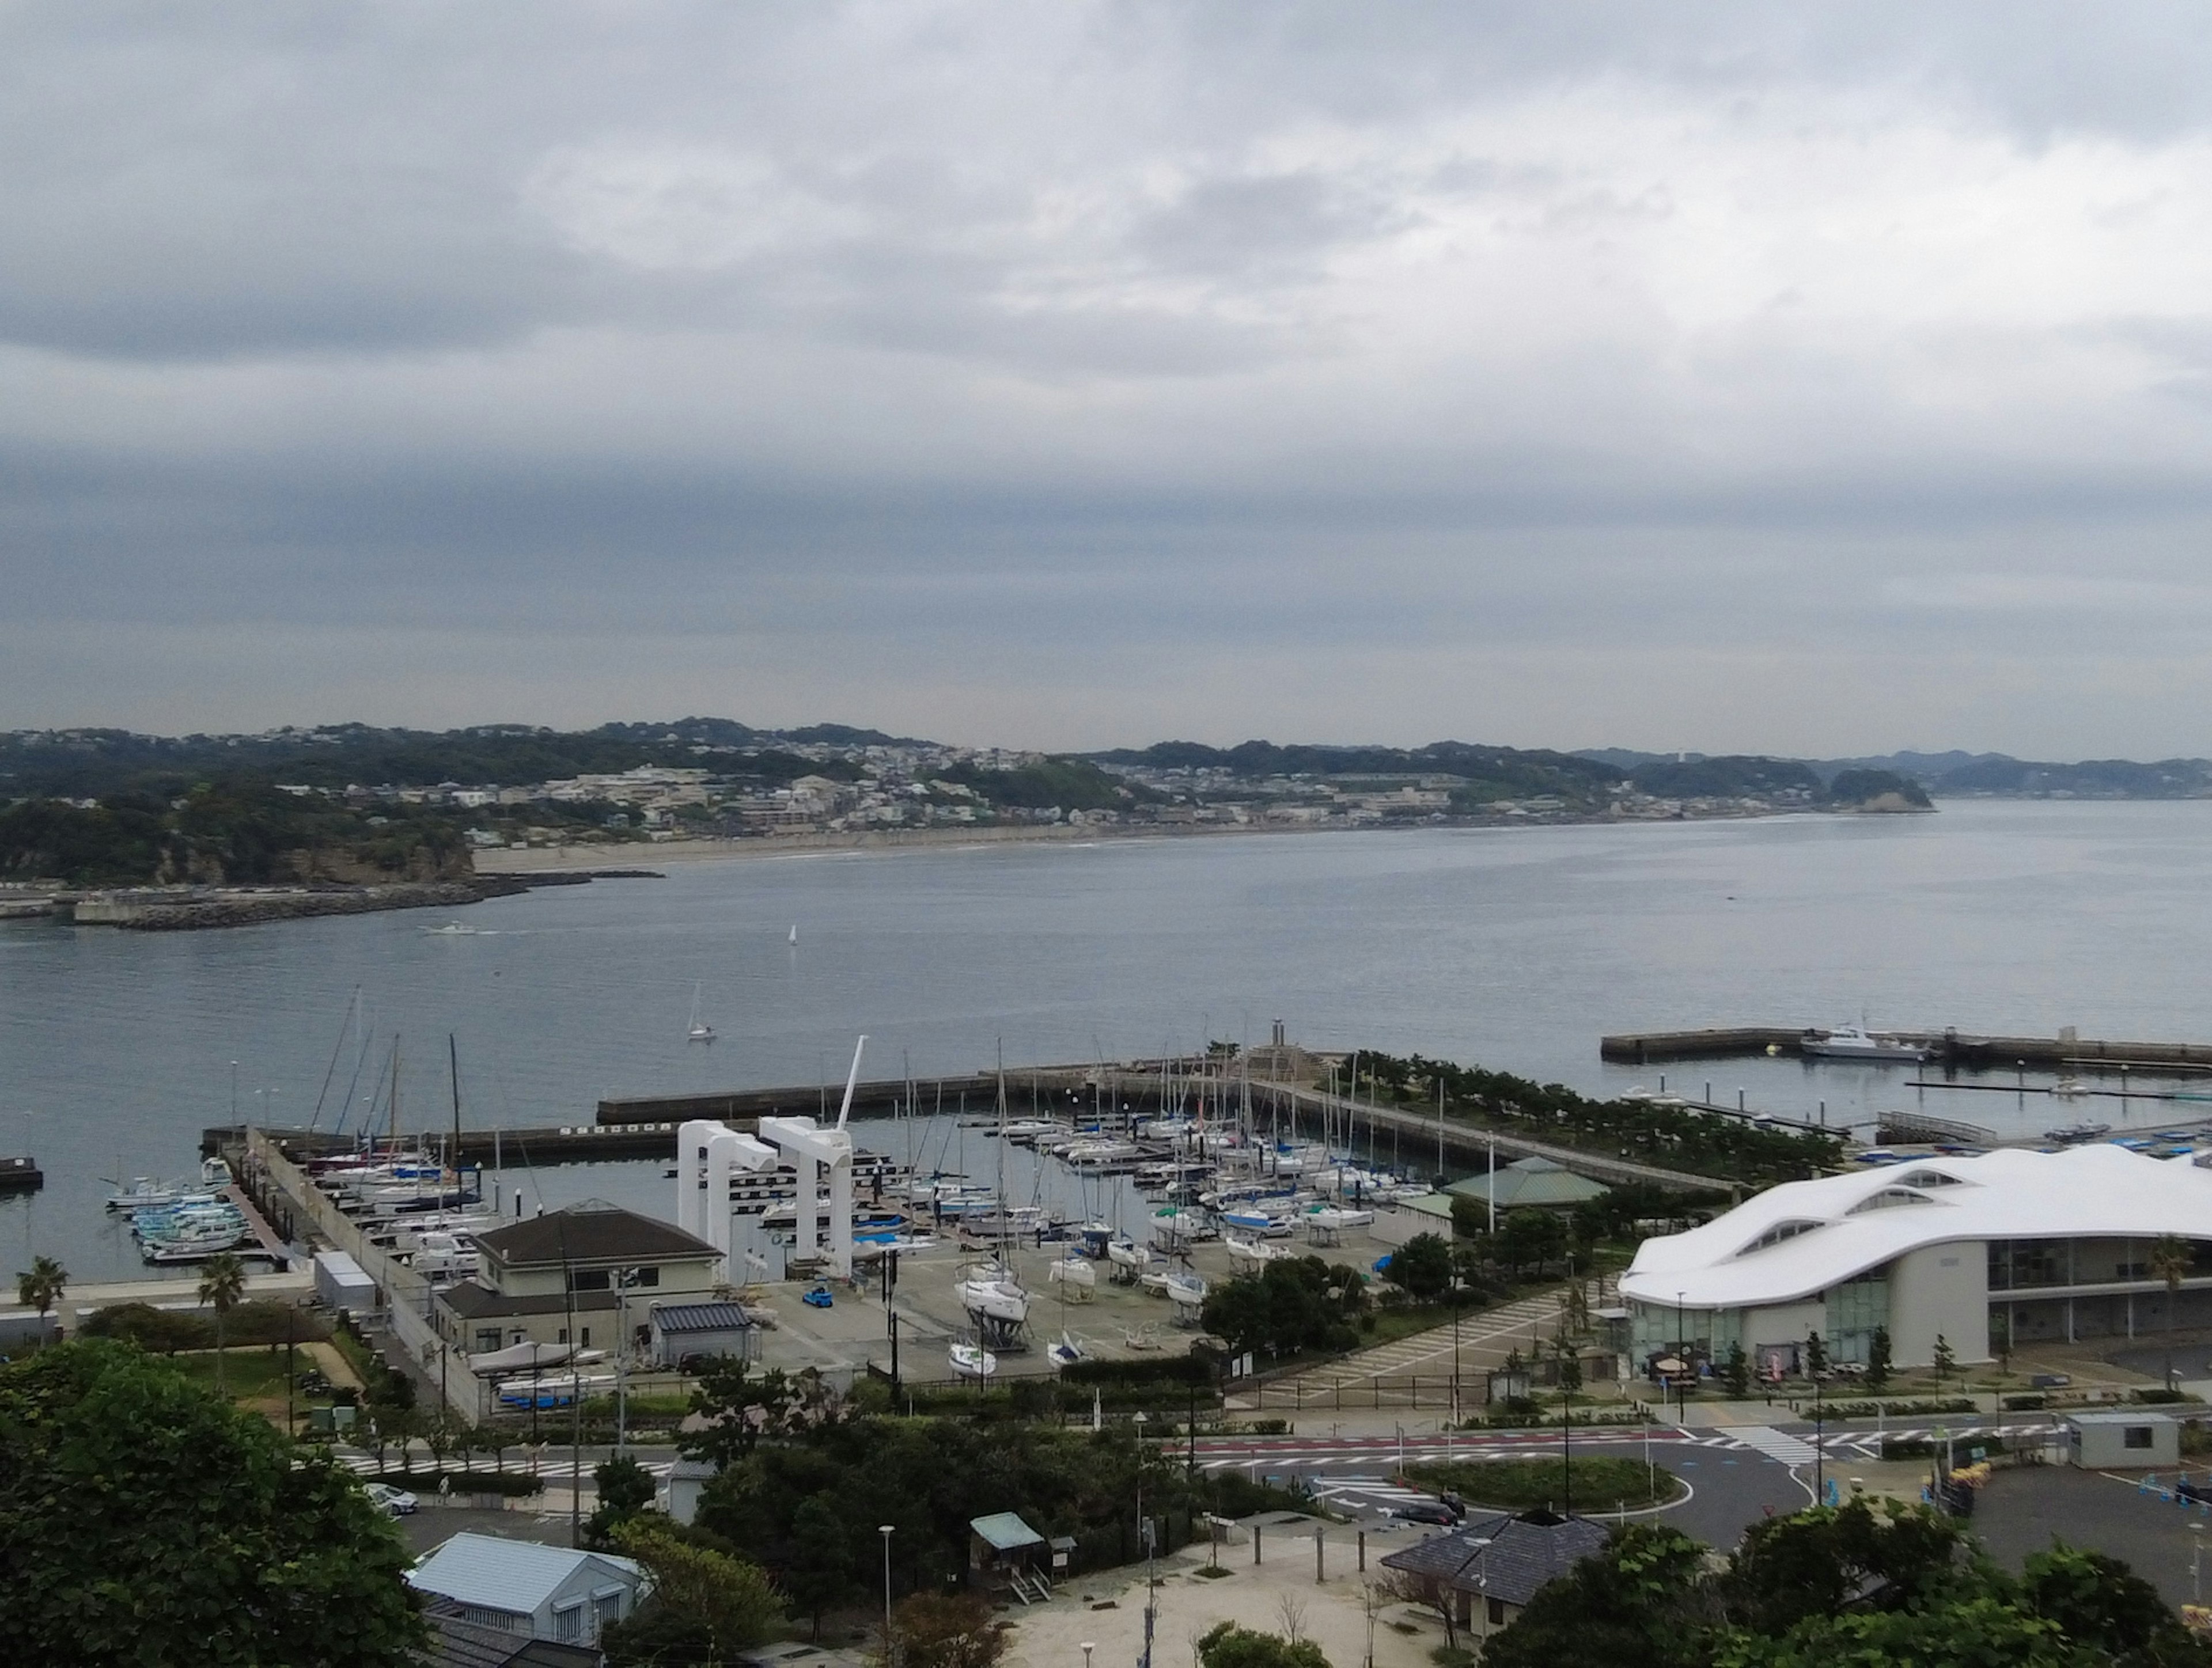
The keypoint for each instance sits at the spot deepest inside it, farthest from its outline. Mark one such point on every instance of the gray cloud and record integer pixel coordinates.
(1305, 370)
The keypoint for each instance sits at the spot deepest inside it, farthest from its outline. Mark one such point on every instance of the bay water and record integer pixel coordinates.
(1514, 947)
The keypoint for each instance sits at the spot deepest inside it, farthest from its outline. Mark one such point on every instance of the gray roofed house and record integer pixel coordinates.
(593, 1268)
(592, 1234)
(1501, 1559)
(529, 1592)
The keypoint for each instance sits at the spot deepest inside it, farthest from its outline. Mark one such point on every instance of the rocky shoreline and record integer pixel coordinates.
(254, 908)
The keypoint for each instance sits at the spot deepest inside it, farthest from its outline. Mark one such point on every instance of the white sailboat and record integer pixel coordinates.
(794, 935)
(700, 1031)
(1066, 1352)
(1251, 1254)
(1073, 1271)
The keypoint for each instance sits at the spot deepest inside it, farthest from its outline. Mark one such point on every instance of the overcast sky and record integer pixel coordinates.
(1813, 380)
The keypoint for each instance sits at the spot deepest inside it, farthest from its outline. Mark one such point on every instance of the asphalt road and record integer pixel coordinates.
(1732, 1481)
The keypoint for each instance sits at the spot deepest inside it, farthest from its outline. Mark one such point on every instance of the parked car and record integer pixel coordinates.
(1425, 1511)
(819, 1298)
(394, 1502)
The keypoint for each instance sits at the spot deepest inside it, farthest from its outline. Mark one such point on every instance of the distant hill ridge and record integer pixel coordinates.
(91, 762)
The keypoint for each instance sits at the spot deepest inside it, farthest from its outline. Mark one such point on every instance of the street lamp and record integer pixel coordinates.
(1087, 1647)
(884, 1530)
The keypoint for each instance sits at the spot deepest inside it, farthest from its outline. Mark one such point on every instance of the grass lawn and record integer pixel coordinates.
(1601, 1482)
(252, 1373)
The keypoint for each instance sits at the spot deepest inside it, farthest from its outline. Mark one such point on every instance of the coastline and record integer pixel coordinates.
(554, 858)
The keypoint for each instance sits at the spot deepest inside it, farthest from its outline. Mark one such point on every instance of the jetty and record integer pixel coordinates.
(1949, 1047)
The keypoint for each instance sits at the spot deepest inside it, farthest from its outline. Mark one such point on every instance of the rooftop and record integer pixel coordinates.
(699, 1317)
(591, 1232)
(488, 1572)
(1506, 1557)
(1006, 1531)
(1530, 1181)
(1803, 1237)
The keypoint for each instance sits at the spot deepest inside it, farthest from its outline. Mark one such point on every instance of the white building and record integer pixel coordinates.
(2052, 1246)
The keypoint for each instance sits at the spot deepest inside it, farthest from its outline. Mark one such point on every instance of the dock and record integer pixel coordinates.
(21, 1174)
(1949, 1047)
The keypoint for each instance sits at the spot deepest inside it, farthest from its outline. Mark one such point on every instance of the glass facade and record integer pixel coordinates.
(1855, 1309)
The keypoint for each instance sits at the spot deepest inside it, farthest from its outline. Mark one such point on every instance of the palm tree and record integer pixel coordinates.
(42, 1288)
(222, 1284)
(2170, 1259)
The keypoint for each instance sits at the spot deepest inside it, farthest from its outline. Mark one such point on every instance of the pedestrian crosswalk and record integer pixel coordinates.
(1776, 1445)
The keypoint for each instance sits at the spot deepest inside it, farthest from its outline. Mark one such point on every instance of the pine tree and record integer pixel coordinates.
(1877, 1363)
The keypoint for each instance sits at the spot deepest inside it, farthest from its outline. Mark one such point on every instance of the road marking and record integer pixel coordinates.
(1775, 1444)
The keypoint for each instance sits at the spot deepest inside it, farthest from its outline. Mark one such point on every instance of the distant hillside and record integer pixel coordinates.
(94, 763)
(1485, 774)
(1954, 775)
(1730, 777)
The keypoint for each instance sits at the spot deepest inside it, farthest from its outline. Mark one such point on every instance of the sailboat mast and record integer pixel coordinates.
(453, 1061)
(395, 1093)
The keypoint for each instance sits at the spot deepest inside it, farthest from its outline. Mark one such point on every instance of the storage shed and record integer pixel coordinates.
(697, 1331)
(342, 1284)
(2123, 1439)
(1002, 1552)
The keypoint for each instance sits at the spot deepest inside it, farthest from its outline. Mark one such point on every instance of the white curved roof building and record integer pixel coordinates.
(2048, 1246)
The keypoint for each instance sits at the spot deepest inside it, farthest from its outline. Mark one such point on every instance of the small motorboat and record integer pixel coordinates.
(972, 1361)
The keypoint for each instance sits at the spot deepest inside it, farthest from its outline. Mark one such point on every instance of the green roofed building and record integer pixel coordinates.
(1541, 1182)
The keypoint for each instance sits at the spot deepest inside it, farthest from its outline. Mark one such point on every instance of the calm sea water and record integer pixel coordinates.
(1516, 948)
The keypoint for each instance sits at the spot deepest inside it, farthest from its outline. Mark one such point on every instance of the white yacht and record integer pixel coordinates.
(1855, 1042)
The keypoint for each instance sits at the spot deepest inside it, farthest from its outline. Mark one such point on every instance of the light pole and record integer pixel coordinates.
(2196, 1569)
(884, 1530)
(1087, 1647)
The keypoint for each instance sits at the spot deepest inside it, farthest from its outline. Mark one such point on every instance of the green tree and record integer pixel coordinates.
(2103, 1605)
(1943, 1361)
(1229, 1646)
(1816, 1357)
(950, 1630)
(1984, 1632)
(1877, 1360)
(625, 1488)
(42, 1287)
(1735, 1371)
(1640, 1599)
(1294, 1303)
(222, 1285)
(1815, 1562)
(144, 1520)
(823, 1569)
(1530, 1236)
(2169, 1259)
(1470, 1217)
(707, 1605)
(1422, 1265)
